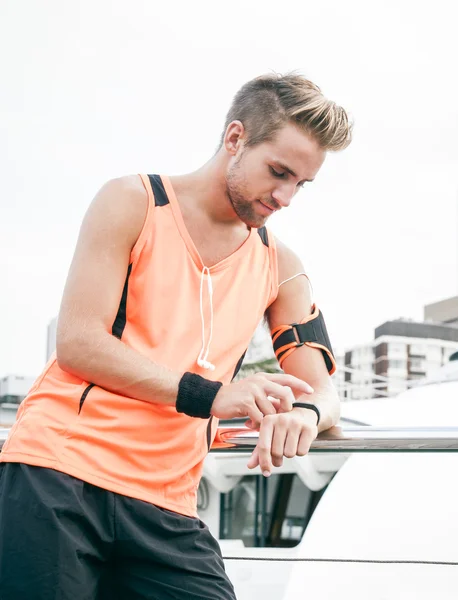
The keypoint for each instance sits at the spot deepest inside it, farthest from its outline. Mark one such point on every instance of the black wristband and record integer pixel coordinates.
(311, 406)
(196, 395)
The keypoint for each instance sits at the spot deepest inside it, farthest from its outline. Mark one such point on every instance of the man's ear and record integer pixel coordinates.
(234, 137)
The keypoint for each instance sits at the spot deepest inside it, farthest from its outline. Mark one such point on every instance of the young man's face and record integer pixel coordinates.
(264, 178)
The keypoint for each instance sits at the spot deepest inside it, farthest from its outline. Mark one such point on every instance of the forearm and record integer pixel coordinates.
(104, 360)
(308, 364)
(326, 399)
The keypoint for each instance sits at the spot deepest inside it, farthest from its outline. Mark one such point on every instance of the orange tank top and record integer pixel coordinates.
(140, 449)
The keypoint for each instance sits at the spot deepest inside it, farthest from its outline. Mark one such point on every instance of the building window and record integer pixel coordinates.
(11, 399)
(416, 364)
(397, 364)
(397, 349)
(417, 350)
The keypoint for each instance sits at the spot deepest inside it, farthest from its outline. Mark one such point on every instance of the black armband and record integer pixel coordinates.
(310, 406)
(196, 395)
(310, 332)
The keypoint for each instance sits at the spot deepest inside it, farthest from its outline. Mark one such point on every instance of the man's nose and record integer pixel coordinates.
(283, 195)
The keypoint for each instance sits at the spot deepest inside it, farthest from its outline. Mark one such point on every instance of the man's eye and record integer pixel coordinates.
(276, 173)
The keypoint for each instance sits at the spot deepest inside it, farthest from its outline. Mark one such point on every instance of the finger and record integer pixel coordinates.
(249, 423)
(254, 415)
(292, 443)
(282, 392)
(295, 383)
(264, 445)
(254, 459)
(305, 441)
(275, 403)
(278, 443)
(264, 404)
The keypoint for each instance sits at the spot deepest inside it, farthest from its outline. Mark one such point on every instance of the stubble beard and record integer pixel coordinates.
(243, 208)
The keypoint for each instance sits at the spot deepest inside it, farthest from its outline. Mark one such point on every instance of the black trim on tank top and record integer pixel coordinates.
(263, 235)
(117, 330)
(209, 433)
(121, 318)
(238, 365)
(84, 395)
(160, 195)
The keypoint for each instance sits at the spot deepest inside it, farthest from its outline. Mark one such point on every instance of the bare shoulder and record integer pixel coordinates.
(289, 264)
(128, 184)
(120, 206)
(123, 194)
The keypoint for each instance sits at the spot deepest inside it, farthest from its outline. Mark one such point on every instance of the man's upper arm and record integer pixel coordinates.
(292, 305)
(98, 271)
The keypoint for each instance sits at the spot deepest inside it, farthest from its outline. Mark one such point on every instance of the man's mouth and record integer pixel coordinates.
(268, 208)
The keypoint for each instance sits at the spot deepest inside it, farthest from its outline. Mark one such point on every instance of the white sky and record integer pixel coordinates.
(91, 90)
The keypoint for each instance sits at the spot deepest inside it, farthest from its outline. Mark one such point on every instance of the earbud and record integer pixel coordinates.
(205, 364)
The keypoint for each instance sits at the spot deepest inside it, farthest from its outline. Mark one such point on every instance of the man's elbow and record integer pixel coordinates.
(75, 352)
(337, 406)
(68, 353)
(332, 402)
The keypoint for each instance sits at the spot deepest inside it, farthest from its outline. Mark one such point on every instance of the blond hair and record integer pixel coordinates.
(267, 103)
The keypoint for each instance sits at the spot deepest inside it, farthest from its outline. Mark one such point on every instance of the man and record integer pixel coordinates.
(169, 280)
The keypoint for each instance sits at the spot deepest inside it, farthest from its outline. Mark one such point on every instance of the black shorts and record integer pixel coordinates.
(64, 539)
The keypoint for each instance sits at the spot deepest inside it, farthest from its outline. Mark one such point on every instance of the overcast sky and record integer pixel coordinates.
(94, 90)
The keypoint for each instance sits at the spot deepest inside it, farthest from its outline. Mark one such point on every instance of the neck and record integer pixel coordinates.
(205, 190)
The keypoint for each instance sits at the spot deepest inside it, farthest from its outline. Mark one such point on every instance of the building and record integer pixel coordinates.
(51, 337)
(339, 375)
(13, 389)
(445, 311)
(357, 379)
(402, 351)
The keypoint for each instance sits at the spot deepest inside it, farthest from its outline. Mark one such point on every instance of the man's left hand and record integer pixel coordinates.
(284, 434)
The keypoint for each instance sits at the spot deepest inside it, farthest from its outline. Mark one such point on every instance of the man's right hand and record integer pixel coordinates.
(250, 397)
